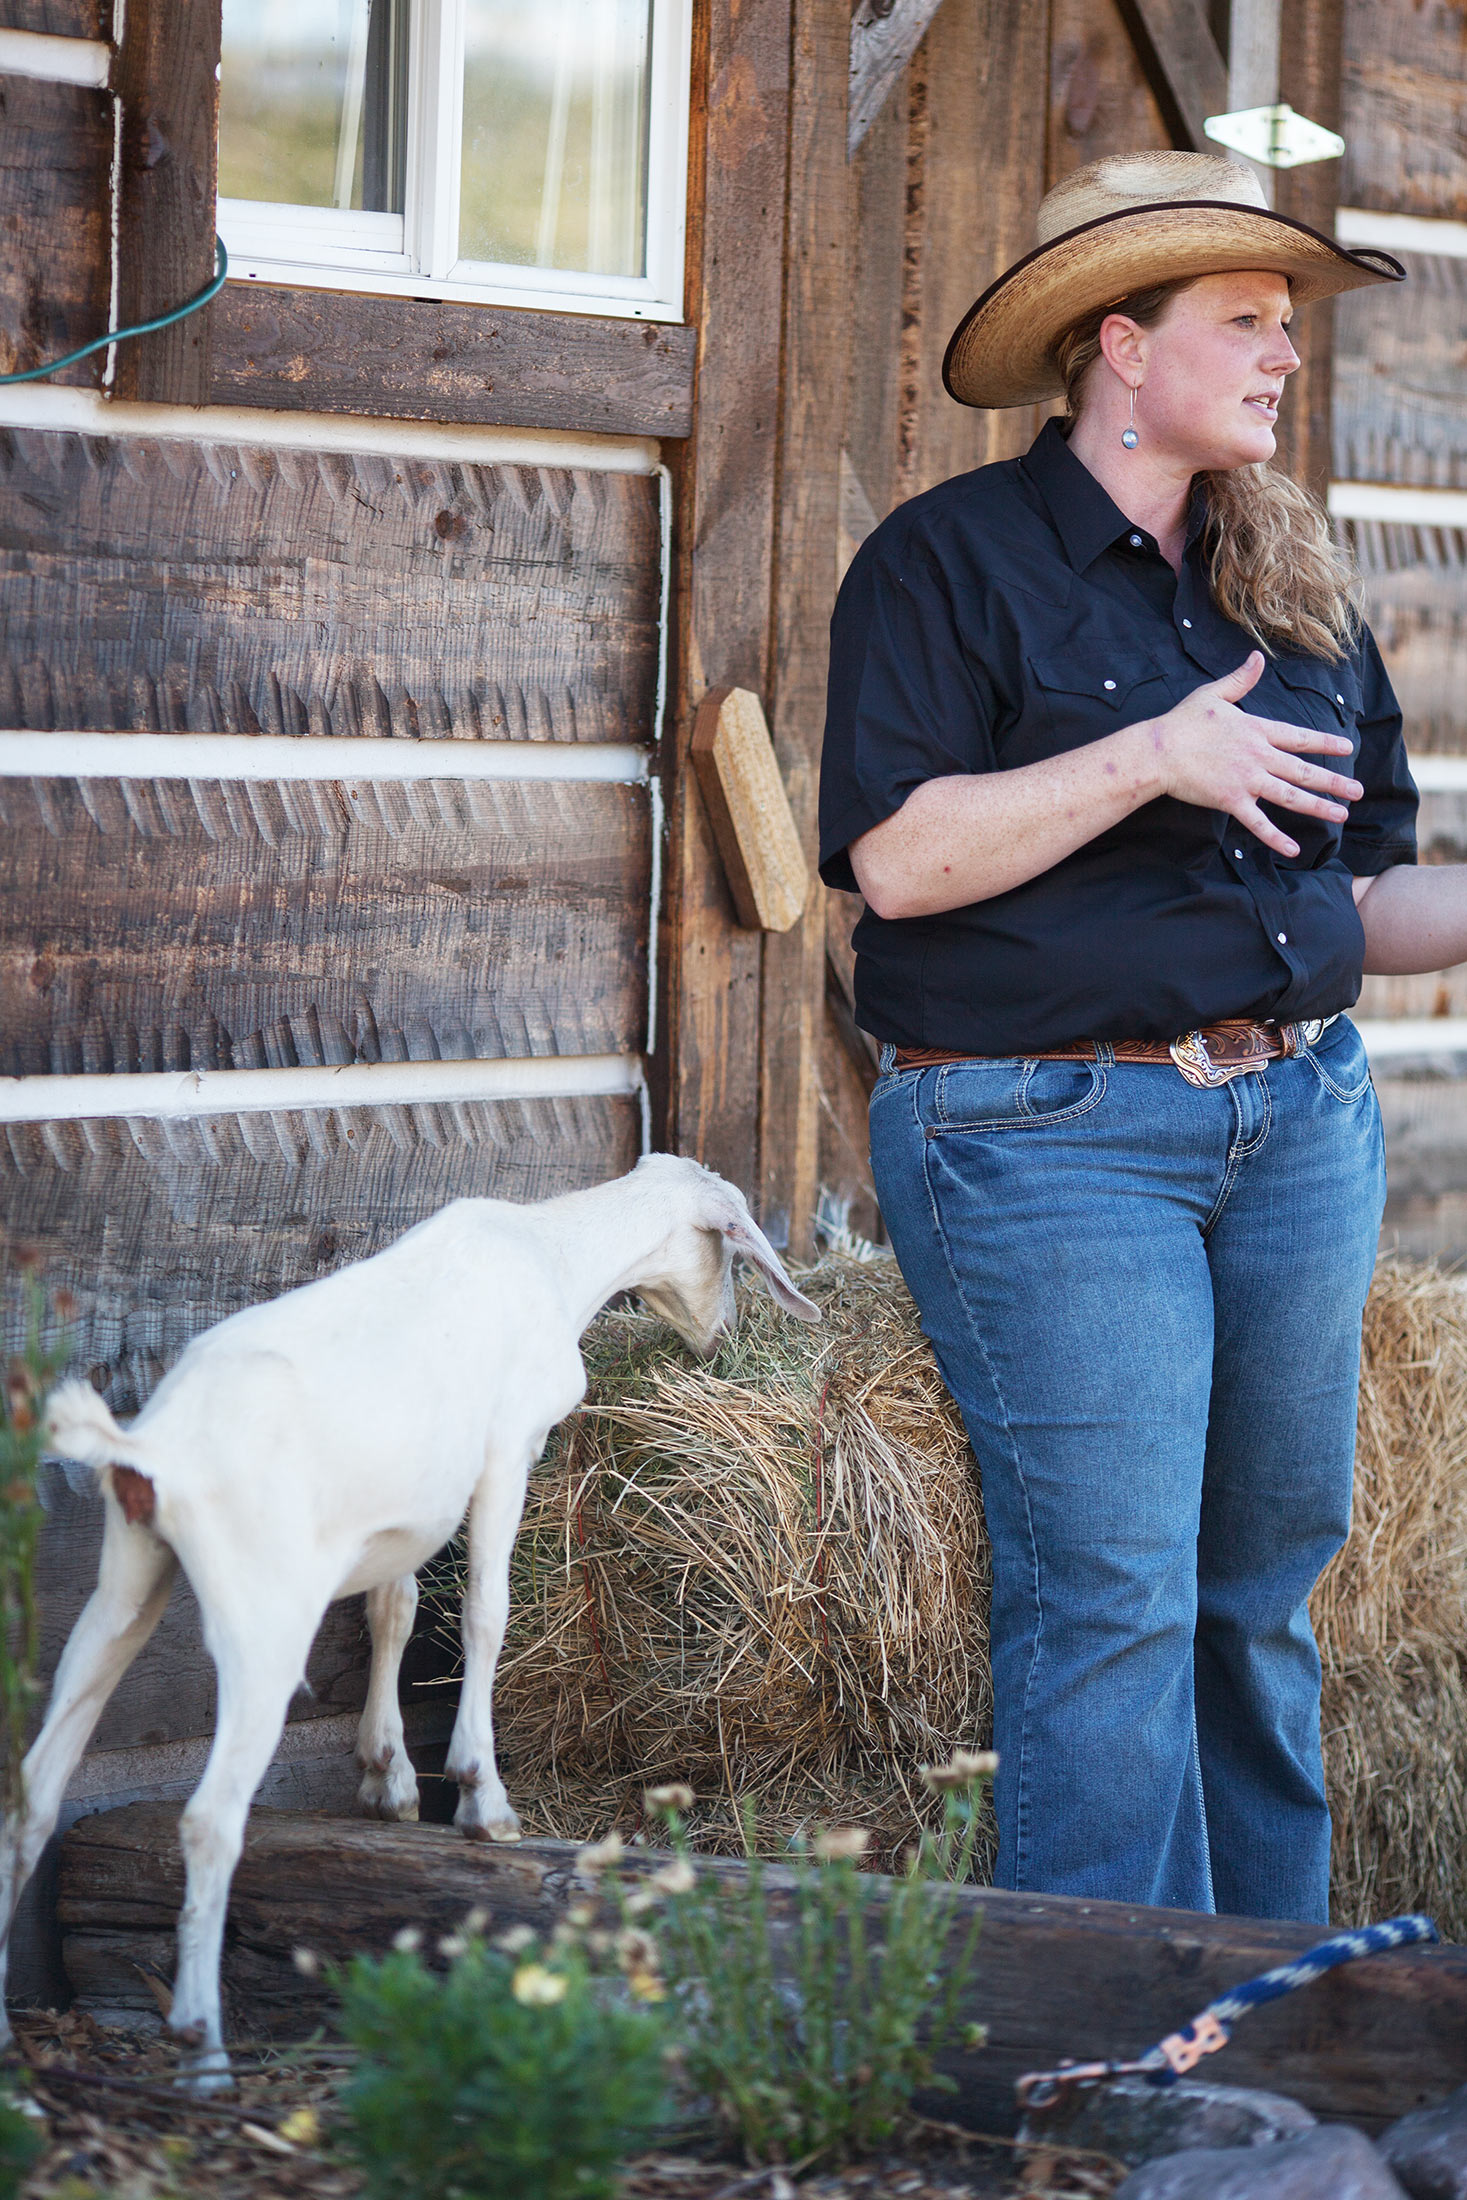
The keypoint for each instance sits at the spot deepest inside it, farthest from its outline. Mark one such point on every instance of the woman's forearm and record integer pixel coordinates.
(965, 839)
(1414, 920)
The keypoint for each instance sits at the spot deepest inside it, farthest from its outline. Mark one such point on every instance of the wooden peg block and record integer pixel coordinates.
(749, 810)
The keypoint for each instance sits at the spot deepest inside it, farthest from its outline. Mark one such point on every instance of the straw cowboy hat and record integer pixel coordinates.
(1119, 226)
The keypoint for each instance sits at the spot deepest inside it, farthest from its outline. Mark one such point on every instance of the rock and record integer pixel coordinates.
(1428, 2149)
(1136, 2122)
(1332, 2162)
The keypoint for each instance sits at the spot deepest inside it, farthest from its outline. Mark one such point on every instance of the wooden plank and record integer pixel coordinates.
(1400, 403)
(58, 18)
(1055, 1976)
(868, 487)
(1310, 61)
(55, 154)
(1176, 48)
(1405, 107)
(819, 244)
(884, 38)
(427, 359)
(706, 1069)
(748, 810)
(1415, 590)
(217, 588)
(167, 77)
(1101, 100)
(179, 924)
(161, 1228)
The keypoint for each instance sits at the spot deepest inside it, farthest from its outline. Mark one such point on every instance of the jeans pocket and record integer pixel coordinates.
(1013, 1095)
(1340, 1062)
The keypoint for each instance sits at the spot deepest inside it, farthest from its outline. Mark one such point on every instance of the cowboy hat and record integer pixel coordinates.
(1122, 225)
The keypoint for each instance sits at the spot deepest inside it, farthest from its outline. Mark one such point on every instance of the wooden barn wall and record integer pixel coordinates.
(1400, 420)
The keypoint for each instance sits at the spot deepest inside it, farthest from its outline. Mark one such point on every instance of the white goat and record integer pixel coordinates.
(329, 1442)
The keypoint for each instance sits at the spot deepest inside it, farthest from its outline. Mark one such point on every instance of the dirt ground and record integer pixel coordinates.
(119, 2131)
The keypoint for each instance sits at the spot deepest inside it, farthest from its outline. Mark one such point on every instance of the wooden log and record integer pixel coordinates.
(706, 1070)
(214, 588)
(167, 78)
(55, 154)
(160, 1228)
(432, 359)
(1400, 406)
(1405, 107)
(1176, 48)
(749, 810)
(1054, 1975)
(182, 924)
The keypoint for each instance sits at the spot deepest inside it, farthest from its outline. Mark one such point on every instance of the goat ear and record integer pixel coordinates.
(745, 1237)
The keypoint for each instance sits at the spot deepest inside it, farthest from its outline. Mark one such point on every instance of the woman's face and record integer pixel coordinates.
(1212, 370)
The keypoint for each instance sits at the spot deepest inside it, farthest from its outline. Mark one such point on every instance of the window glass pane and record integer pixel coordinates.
(313, 102)
(555, 134)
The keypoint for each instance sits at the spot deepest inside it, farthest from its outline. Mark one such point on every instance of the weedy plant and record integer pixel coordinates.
(823, 2060)
(28, 1377)
(521, 2071)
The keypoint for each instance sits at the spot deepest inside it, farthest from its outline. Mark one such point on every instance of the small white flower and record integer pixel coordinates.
(536, 1987)
(600, 1856)
(408, 1941)
(963, 1768)
(517, 1939)
(475, 1921)
(678, 1877)
(676, 1796)
(452, 1946)
(306, 1961)
(841, 1844)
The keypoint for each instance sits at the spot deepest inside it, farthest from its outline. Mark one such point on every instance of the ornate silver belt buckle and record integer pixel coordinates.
(1197, 1066)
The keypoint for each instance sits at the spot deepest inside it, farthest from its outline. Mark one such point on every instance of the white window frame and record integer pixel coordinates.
(414, 254)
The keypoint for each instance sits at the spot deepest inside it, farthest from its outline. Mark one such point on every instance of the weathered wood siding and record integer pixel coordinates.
(207, 587)
(1405, 127)
(55, 153)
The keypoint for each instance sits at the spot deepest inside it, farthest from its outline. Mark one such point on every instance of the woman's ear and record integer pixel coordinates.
(1123, 347)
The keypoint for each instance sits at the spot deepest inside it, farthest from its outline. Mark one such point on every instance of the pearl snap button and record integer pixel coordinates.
(1283, 939)
(1340, 700)
(1110, 683)
(1135, 542)
(1186, 622)
(1238, 853)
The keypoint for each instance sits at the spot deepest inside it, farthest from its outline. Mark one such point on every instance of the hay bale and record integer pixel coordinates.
(1390, 1612)
(770, 1577)
(767, 1576)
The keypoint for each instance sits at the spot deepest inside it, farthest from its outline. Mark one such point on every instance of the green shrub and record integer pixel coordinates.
(28, 1377)
(515, 2074)
(827, 2061)
(22, 2143)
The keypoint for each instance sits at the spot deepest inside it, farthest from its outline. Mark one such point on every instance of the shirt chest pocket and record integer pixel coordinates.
(1083, 692)
(1309, 692)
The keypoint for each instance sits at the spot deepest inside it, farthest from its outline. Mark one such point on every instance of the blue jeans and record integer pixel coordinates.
(1146, 1301)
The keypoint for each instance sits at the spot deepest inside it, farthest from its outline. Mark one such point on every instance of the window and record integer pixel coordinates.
(526, 152)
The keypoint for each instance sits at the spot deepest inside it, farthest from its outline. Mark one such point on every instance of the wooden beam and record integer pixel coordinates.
(883, 41)
(1054, 1976)
(429, 359)
(1180, 55)
(1310, 65)
(706, 1071)
(167, 77)
(749, 810)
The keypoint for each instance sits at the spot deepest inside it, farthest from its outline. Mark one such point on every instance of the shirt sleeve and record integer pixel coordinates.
(1381, 829)
(906, 702)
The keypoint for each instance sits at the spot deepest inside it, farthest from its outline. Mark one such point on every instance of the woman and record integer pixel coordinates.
(1120, 776)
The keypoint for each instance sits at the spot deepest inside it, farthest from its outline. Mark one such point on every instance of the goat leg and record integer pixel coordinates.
(389, 1786)
(484, 1812)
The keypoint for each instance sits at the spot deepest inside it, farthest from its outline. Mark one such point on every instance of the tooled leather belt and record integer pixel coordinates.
(1206, 1058)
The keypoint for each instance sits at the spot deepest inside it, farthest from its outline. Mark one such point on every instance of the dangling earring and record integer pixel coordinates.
(1128, 434)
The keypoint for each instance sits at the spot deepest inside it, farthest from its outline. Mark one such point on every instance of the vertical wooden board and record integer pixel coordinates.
(1415, 594)
(1310, 60)
(1405, 106)
(55, 157)
(194, 924)
(1400, 394)
(1100, 101)
(706, 1070)
(168, 82)
(160, 1228)
(210, 587)
(819, 248)
(874, 347)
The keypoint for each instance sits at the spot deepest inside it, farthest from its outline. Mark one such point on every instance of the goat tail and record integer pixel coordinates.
(79, 1426)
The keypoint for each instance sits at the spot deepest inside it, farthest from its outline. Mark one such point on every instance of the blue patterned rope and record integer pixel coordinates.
(1211, 2029)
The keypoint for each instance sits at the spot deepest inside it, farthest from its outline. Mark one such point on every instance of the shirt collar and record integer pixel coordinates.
(1086, 518)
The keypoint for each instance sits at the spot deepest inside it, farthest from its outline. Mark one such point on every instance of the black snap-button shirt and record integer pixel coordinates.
(1013, 614)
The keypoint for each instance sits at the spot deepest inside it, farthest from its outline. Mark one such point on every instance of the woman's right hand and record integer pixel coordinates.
(1208, 751)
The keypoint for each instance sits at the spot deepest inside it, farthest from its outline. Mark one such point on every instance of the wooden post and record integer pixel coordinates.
(705, 1070)
(1309, 79)
(167, 77)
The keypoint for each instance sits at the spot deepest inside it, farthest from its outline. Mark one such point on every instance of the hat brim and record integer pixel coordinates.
(1002, 351)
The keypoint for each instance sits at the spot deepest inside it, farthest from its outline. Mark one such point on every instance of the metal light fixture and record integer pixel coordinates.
(1274, 135)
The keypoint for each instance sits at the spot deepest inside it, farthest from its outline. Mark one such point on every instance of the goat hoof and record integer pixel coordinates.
(382, 1796)
(205, 2073)
(494, 1829)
